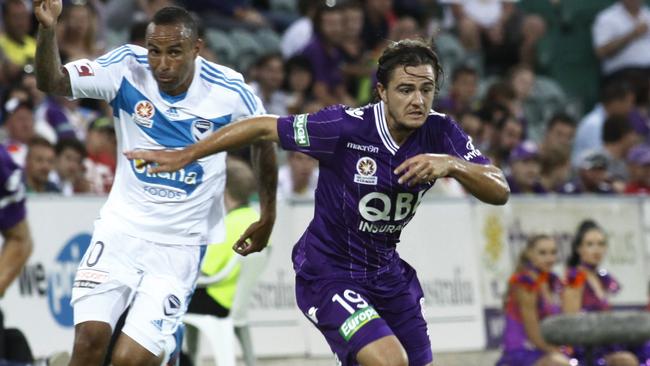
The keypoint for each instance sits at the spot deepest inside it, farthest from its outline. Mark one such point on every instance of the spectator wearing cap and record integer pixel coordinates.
(15, 42)
(38, 165)
(616, 99)
(591, 175)
(638, 166)
(525, 169)
(19, 126)
(326, 58)
(68, 172)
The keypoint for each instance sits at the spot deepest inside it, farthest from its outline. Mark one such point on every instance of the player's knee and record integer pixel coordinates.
(122, 356)
(92, 338)
(622, 359)
(385, 352)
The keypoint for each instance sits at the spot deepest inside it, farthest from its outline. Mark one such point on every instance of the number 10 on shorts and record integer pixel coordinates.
(358, 318)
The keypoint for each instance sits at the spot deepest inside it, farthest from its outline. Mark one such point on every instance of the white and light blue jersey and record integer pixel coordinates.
(178, 207)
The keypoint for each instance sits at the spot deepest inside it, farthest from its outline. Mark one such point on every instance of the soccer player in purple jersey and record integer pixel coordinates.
(376, 163)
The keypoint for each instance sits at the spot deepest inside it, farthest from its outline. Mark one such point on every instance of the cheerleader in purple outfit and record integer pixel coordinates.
(533, 294)
(589, 287)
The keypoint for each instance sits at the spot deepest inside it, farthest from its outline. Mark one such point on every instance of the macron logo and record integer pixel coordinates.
(364, 148)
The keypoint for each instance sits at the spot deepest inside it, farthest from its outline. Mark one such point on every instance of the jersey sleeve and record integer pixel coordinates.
(316, 135)
(12, 187)
(452, 140)
(100, 78)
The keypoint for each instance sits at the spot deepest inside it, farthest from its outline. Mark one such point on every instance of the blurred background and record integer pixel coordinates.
(555, 92)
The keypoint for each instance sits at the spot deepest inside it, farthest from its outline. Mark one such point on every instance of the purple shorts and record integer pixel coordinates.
(351, 314)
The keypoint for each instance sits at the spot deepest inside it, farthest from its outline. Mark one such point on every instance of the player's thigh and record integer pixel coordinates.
(343, 314)
(403, 312)
(129, 352)
(162, 297)
(386, 351)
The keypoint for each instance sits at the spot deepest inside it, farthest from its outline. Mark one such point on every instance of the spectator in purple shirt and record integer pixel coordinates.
(525, 169)
(326, 57)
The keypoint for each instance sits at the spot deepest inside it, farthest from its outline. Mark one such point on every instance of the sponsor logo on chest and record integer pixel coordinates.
(366, 170)
(365, 148)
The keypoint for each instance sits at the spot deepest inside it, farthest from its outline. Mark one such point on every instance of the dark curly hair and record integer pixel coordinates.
(408, 52)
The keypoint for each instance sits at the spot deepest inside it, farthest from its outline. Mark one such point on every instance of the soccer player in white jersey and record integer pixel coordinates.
(151, 233)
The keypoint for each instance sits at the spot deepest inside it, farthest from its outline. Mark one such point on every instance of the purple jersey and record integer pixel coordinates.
(360, 208)
(12, 192)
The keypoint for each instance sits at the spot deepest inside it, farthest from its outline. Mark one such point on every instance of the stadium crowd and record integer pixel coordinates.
(555, 92)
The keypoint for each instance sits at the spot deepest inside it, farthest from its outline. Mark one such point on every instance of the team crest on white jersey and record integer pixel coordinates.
(366, 170)
(201, 129)
(143, 113)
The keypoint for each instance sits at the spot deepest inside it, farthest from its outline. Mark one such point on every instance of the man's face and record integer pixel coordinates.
(172, 52)
(526, 172)
(560, 137)
(20, 125)
(39, 163)
(271, 74)
(409, 95)
(18, 20)
(510, 135)
(69, 164)
(465, 86)
(592, 178)
(332, 26)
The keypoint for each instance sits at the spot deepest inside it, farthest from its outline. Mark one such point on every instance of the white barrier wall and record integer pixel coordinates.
(463, 252)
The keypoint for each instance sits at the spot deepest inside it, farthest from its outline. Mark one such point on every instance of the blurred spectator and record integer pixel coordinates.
(522, 79)
(503, 93)
(591, 176)
(378, 22)
(297, 178)
(471, 124)
(299, 82)
(121, 14)
(559, 135)
(504, 34)
(42, 126)
(490, 114)
(77, 31)
(533, 294)
(525, 169)
(508, 134)
(358, 64)
(589, 287)
(617, 99)
(38, 165)
(555, 169)
(268, 75)
(326, 58)
(68, 172)
(621, 37)
(15, 43)
(101, 146)
(618, 138)
(69, 118)
(300, 32)
(638, 167)
(462, 94)
(138, 33)
(227, 14)
(19, 125)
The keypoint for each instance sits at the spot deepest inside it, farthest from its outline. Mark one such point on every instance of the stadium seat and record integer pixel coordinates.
(219, 332)
(270, 41)
(248, 49)
(222, 45)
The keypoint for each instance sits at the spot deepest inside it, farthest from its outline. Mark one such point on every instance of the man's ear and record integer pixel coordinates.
(381, 90)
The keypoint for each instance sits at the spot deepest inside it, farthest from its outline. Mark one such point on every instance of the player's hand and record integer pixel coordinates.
(423, 168)
(47, 11)
(158, 161)
(255, 238)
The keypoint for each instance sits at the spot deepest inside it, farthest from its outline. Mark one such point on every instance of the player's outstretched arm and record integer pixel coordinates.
(233, 136)
(51, 77)
(485, 182)
(256, 237)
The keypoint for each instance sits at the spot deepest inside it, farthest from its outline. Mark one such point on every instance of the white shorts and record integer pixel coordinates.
(155, 280)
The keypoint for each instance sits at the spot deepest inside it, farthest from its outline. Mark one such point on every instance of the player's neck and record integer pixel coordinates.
(397, 131)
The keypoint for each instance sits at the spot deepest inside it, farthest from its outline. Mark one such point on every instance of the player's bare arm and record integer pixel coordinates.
(15, 252)
(265, 166)
(233, 136)
(51, 77)
(485, 182)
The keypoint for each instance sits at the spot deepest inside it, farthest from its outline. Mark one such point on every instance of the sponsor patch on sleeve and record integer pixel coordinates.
(356, 321)
(300, 133)
(84, 70)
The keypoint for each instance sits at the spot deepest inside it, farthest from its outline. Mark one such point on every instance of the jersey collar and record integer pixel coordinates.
(382, 128)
